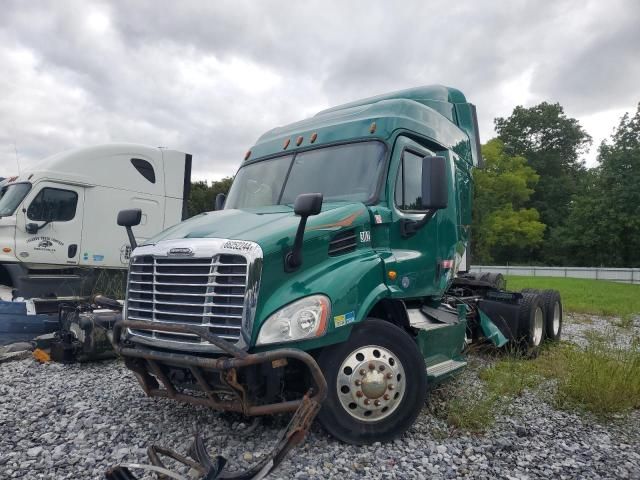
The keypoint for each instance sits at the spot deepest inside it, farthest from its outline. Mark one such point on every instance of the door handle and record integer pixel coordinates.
(72, 250)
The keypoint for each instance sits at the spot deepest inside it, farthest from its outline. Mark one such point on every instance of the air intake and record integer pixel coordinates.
(342, 242)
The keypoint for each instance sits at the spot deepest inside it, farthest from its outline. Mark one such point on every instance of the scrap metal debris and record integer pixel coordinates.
(207, 468)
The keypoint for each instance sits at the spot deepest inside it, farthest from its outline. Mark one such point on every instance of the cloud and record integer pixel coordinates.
(209, 77)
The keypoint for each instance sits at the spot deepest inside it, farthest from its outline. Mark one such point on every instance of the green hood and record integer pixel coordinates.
(267, 226)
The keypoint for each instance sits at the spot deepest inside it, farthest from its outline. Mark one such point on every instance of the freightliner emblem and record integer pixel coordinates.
(181, 251)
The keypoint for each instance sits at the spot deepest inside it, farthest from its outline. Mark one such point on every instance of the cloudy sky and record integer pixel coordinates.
(208, 77)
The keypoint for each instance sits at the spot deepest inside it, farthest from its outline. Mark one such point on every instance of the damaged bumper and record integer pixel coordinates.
(150, 367)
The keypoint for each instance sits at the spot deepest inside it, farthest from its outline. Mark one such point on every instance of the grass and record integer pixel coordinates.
(471, 413)
(601, 378)
(596, 297)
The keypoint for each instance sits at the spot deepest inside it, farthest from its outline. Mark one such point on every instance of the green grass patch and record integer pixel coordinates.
(601, 378)
(597, 297)
(510, 377)
(471, 413)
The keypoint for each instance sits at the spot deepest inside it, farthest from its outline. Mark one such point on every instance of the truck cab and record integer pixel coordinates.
(57, 221)
(340, 239)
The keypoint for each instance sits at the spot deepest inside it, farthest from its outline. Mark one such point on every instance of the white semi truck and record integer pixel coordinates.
(58, 220)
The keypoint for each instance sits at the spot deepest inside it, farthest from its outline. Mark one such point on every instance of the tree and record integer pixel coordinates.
(603, 227)
(202, 196)
(503, 230)
(552, 144)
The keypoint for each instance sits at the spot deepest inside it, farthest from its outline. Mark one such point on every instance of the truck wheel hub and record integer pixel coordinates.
(374, 384)
(370, 383)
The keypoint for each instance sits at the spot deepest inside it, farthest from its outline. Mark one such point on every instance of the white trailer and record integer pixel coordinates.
(58, 220)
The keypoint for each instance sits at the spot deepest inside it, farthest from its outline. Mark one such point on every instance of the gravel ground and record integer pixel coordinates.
(63, 422)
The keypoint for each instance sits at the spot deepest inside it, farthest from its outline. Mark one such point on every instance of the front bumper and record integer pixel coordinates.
(148, 366)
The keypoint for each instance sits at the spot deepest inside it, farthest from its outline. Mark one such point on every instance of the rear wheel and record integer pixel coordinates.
(377, 384)
(532, 321)
(553, 313)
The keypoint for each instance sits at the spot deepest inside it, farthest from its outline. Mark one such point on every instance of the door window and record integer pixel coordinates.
(53, 205)
(408, 194)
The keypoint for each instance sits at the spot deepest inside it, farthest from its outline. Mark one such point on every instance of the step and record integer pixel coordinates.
(445, 367)
(418, 320)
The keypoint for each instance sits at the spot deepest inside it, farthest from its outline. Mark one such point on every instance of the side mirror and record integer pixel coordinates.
(127, 219)
(435, 191)
(32, 228)
(220, 199)
(435, 194)
(306, 204)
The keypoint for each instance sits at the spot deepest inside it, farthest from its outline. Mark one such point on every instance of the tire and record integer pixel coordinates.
(393, 403)
(552, 305)
(530, 290)
(531, 321)
(495, 279)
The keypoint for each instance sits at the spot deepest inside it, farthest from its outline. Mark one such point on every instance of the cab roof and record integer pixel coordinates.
(432, 111)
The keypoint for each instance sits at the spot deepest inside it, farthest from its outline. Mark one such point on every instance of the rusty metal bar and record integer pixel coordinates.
(201, 331)
(221, 364)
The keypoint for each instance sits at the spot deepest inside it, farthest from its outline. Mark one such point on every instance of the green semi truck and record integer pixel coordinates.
(332, 275)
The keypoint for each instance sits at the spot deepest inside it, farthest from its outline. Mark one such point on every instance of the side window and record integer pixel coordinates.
(53, 205)
(408, 183)
(144, 168)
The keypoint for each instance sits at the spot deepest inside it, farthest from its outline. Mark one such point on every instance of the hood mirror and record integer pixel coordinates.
(220, 199)
(130, 218)
(306, 204)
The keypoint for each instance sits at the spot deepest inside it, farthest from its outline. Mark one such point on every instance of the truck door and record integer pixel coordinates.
(414, 258)
(57, 210)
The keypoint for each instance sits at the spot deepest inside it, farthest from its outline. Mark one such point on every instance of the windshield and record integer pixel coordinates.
(11, 196)
(341, 173)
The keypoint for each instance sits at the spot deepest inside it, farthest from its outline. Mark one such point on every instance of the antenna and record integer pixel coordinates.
(15, 148)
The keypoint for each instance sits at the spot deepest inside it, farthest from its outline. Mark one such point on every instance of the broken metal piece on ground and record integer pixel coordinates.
(210, 469)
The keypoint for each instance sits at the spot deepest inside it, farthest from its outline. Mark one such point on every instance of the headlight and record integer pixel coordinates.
(302, 319)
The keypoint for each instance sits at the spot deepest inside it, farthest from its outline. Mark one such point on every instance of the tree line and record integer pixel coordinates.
(535, 202)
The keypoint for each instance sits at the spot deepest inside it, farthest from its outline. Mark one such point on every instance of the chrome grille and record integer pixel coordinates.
(200, 291)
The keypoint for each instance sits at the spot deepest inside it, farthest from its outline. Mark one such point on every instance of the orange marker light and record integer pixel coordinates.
(299, 141)
(6, 250)
(313, 137)
(247, 155)
(372, 128)
(286, 143)
(392, 274)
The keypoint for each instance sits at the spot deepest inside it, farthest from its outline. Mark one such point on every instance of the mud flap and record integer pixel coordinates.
(491, 331)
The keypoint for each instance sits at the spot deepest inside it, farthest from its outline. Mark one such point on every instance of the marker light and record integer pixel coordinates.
(299, 141)
(286, 143)
(313, 137)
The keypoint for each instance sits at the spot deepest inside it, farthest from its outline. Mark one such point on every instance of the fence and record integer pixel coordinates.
(626, 275)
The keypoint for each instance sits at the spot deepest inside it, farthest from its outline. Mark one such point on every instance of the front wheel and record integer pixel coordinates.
(377, 384)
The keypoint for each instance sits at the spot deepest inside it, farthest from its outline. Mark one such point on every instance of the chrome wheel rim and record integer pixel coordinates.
(538, 326)
(556, 318)
(371, 383)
